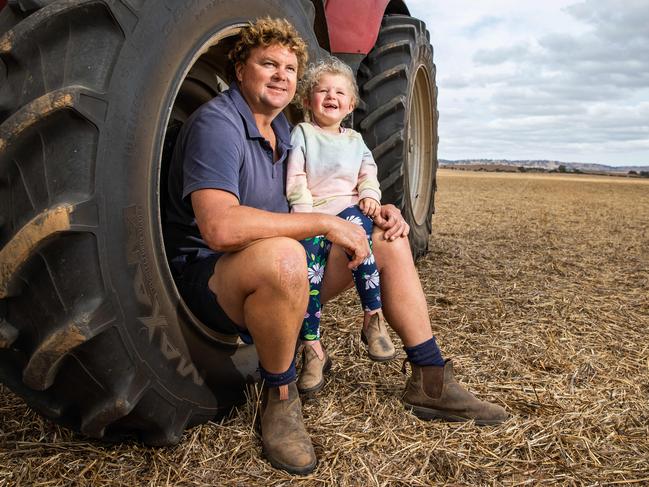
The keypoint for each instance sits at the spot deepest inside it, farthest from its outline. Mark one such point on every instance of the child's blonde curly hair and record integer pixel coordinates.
(266, 32)
(329, 65)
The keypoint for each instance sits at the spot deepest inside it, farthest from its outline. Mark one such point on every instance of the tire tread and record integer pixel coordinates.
(384, 78)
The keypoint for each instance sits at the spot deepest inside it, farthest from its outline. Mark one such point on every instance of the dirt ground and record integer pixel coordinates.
(538, 287)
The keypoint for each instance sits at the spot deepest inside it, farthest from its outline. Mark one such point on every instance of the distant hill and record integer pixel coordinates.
(543, 165)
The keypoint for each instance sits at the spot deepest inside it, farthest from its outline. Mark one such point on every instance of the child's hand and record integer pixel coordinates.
(369, 207)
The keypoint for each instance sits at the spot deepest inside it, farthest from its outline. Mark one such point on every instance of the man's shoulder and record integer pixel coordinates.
(213, 123)
(219, 109)
(214, 128)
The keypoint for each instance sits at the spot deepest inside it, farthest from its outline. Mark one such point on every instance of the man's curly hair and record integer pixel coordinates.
(266, 32)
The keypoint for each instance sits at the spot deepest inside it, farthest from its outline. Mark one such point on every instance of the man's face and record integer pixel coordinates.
(268, 79)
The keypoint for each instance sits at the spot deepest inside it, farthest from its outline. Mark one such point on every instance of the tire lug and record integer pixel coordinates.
(8, 334)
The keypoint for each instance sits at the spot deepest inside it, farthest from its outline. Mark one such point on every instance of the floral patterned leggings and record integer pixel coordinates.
(366, 275)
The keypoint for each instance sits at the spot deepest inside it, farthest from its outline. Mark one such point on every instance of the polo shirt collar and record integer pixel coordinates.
(280, 124)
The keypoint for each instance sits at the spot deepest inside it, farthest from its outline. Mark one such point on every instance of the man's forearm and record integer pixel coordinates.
(239, 226)
(227, 226)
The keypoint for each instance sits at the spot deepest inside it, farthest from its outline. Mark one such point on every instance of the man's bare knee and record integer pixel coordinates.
(286, 268)
(391, 250)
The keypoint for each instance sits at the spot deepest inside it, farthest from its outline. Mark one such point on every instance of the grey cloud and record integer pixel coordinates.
(455, 82)
(611, 127)
(613, 56)
(562, 129)
(483, 24)
(514, 105)
(501, 55)
(614, 20)
(577, 91)
(591, 53)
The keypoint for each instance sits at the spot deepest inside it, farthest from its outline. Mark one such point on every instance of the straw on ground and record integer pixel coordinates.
(538, 287)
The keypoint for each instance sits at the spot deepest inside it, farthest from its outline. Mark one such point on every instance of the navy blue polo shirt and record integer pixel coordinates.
(220, 147)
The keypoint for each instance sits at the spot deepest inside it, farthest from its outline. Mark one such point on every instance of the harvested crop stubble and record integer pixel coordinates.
(538, 287)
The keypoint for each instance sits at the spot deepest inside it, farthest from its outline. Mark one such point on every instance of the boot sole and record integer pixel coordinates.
(377, 358)
(312, 390)
(429, 413)
(307, 469)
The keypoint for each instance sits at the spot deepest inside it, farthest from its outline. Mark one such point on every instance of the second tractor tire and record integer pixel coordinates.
(398, 119)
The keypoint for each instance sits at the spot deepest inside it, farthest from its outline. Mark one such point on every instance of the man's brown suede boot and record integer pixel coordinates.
(286, 443)
(432, 392)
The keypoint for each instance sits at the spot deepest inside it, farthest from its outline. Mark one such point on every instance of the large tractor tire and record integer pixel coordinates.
(397, 116)
(93, 333)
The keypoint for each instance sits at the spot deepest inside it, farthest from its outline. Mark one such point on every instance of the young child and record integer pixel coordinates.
(331, 170)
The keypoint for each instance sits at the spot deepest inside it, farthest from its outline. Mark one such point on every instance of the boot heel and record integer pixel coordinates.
(428, 414)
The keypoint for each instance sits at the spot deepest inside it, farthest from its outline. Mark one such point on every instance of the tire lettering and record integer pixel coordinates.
(146, 294)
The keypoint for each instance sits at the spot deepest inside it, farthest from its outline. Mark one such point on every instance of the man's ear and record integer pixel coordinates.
(238, 67)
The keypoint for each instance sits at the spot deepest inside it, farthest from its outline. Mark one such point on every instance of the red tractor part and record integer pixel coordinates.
(354, 26)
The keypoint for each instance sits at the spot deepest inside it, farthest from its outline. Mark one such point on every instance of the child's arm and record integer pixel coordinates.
(369, 190)
(297, 191)
(369, 207)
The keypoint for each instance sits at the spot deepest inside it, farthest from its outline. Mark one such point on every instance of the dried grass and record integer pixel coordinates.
(537, 286)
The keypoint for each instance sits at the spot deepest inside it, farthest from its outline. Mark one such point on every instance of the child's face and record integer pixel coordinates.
(331, 100)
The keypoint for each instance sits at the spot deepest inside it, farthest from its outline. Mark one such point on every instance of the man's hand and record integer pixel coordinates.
(351, 238)
(390, 220)
(370, 207)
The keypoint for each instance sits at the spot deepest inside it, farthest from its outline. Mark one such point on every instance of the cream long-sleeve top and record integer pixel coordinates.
(328, 172)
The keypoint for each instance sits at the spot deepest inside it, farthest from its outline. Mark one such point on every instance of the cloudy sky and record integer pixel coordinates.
(564, 80)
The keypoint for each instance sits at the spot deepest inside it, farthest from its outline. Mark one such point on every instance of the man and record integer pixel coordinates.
(234, 250)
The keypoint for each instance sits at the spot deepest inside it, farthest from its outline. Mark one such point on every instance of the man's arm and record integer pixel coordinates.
(238, 226)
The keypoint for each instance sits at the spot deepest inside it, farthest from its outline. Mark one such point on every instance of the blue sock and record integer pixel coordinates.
(426, 353)
(276, 380)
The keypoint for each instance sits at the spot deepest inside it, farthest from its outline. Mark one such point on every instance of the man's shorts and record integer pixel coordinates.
(193, 287)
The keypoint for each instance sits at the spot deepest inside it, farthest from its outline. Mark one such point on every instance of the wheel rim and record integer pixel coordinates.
(203, 78)
(419, 165)
(205, 75)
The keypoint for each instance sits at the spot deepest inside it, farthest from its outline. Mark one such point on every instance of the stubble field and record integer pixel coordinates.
(538, 288)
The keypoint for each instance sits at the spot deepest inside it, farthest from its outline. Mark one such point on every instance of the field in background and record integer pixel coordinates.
(538, 287)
